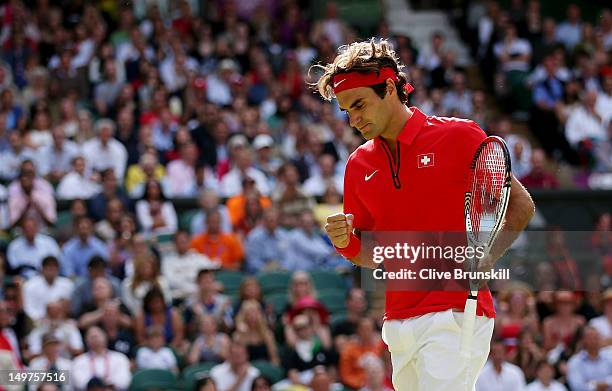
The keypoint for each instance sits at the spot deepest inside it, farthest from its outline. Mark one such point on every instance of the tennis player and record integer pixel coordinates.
(411, 175)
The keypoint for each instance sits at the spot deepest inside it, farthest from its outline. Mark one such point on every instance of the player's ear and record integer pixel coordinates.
(390, 87)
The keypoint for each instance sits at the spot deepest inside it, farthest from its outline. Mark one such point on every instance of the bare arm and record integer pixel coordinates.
(520, 210)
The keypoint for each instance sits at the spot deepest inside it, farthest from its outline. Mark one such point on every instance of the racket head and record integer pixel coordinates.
(486, 198)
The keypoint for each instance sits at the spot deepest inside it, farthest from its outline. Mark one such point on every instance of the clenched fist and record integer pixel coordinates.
(339, 228)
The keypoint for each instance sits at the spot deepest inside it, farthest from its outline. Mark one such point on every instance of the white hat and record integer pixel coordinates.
(262, 141)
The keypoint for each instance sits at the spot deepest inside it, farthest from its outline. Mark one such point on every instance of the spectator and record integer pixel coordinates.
(182, 179)
(545, 379)
(146, 276)
(208, 200)
(78, 183)
(517, 313)
(547, 98)
(513, 53)
(253, 331)
(499, 373)
(208, 301)
(220, 247)
(560, 327)
(155, 354)
(236, 205)
(31, 196)
(250, 290)
(603, 323)
(110, 227)
(156, 312)
(231, 184)
(431, 56)
(528, 354)
(55, 160)
(9, 344)
(44, 288)
(306, 351)
(374, 375)
(265, 160)
(181, 267)
(355, 353)
(99, 362)
(356, 306)
(586, 126)
(458, 100)
(16, 154)
(156, 215)
(117, 324)
(236, 373)
(104, 302)
(64, 328)
(210, 345)
(316, 185)
(104, 151)
(539, 177)
(148, 168)
(253, 212)
(590, 368)
(81, 248)
(26, 252)
(110, 190)
(51, 359)
(309, 249)
(569, 31)
(267, 245)
(83, 290)
(107, 91)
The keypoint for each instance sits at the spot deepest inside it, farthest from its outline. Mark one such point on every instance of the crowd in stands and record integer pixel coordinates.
(111, 115)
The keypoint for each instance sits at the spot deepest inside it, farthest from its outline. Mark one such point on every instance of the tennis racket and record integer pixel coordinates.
(486, 201)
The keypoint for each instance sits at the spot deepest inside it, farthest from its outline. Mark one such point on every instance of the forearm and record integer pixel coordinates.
(520, 210)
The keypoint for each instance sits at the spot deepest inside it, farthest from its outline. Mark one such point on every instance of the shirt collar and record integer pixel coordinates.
(411, 128)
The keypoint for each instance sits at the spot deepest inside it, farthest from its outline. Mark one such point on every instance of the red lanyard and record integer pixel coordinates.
(92, 366)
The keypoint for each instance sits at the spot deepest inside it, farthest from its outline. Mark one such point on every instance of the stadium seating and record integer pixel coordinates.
(154, 379)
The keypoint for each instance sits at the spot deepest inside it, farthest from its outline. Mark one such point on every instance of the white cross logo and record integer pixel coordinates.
(426, 160)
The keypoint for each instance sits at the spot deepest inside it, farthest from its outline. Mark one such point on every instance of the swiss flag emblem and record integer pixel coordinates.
(425, 160)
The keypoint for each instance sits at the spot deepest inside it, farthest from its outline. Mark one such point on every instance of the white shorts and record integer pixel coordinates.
(425, 351)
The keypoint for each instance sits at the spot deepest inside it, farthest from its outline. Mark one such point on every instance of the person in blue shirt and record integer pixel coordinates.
(81, 248)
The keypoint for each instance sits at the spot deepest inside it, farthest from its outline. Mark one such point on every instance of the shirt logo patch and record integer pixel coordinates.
(425, 160)
(368, 177)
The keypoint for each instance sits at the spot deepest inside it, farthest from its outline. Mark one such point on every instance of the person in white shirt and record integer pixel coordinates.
(155, 355)
(181, 267)
(603, 323)
(231, 184)
(585, 122)
(590, 368)
(545, 380)
(26, 252)
(431, 56)
(62, 327)
(50, 360)
(498, 374)
(104, 151)
(44, 288)
(235, 374)
(513, 52)
(54, 160)
(317, 184)
(109, 366)
(77, 183)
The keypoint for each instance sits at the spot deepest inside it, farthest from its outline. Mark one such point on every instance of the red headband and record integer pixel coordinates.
(345, 81)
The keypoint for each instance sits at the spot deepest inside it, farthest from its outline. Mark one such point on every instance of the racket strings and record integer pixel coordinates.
(487, 184)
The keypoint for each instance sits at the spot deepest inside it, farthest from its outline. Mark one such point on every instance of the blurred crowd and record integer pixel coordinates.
(111, 114)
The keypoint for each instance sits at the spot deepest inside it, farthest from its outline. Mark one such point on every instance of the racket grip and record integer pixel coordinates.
(467, 331)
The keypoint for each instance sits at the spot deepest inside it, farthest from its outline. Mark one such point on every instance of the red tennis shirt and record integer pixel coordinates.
(423, 192)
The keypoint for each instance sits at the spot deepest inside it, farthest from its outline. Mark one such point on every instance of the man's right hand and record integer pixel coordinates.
(339, 227)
